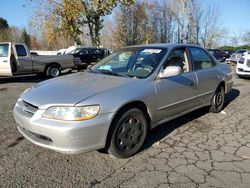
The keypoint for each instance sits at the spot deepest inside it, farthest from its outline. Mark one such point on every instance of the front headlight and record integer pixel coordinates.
(71, 113)
(241, 61)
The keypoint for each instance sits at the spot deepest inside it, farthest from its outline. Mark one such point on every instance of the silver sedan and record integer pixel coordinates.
(113, 104)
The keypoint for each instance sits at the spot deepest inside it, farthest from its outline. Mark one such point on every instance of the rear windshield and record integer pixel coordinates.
(4, 50)
(240, 51)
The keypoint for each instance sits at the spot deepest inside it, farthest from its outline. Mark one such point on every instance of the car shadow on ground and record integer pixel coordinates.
(32, 78)
(23, 79)
(165, 129)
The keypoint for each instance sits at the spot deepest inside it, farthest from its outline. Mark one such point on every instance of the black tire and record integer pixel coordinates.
(129, 131)
(53, 71)
(40, 74)
(79, 69)
(218, 100)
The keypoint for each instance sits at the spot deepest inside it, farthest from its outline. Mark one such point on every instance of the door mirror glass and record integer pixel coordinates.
(170, 71)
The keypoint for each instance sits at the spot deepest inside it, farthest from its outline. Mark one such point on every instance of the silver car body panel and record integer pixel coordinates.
(165, 99)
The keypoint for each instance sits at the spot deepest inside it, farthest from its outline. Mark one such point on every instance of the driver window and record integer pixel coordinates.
(178, 57)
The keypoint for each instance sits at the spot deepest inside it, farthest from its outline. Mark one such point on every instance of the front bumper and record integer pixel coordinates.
(242, 70)
(63, 136)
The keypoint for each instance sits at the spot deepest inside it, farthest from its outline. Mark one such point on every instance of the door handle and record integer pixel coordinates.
(5, 61)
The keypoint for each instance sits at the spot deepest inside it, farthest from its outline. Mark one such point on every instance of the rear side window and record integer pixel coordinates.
(83, 51)
(4, 50)
(94, 51)
(201, 59)
(21, 51)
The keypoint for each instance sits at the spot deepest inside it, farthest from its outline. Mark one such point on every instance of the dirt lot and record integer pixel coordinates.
(200, 149)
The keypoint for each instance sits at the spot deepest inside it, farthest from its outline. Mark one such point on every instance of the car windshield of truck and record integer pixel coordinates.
(137, 62)
(4, 50)
(75, 51)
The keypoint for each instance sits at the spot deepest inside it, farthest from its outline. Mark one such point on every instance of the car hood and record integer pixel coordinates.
(71, 89)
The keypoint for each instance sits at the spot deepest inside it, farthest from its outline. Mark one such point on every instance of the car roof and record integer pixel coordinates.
(164, 45)
(88, 48)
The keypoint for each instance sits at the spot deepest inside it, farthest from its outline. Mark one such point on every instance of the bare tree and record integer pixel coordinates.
(246, 37)
(132, 25)
(212, 30)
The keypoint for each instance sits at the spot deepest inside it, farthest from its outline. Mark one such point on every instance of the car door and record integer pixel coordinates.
(5, 63)
(23, 59)
(93, 55)
(83, 55)
(176, 94)
(207, 74)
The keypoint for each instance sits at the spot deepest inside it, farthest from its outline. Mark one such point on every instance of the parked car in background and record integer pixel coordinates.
(228, 53)
(85, 56)
(243, 66)
(218, 54)
(113, 104)
(237, 55)
(15, 59)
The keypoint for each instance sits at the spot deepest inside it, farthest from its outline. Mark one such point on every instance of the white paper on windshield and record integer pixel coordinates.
(105, 67)
(151, 51)
(1, 51)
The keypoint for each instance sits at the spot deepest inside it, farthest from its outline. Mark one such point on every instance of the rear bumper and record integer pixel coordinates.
(63, 136)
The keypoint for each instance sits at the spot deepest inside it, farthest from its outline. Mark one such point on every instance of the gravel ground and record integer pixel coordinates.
(200, 149)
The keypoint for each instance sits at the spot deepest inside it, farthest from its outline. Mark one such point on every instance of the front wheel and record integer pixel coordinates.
(218, 100)
(128, 134)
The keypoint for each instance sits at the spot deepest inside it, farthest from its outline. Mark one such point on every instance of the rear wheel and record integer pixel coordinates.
(128, 134)
(218, 100)
(53, 71)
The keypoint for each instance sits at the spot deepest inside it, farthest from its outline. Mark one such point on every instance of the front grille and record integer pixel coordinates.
(248, 63)
(27, 107)
(42, 137)
(37, 137)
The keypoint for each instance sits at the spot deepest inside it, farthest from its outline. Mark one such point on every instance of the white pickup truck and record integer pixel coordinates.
(15, 59)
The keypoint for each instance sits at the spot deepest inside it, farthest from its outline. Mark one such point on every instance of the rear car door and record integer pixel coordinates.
(176, 94)
(83, 55)
(24, 60)
(207, 74)
(94, 54)
(5, 63)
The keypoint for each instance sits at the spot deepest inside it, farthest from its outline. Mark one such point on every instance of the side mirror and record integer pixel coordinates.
(170, 71)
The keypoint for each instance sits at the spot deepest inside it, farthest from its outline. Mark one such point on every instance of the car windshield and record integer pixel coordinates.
(4, 50)
(130, 62)
(75, 51)
(240, 51)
